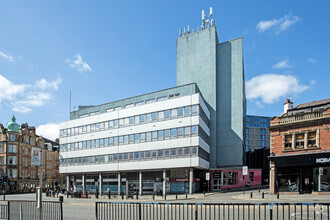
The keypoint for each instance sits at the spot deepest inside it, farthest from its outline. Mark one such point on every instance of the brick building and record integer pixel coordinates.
(300, 149)
(16, 143)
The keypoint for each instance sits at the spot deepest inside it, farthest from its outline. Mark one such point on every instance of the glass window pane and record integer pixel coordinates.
(115, 123)
(154, 136)
(97, 127)
(101, 142)
(194, 109)
(148, 134)
(131, 120)
(173, 152)
(161, 115)
(143, 119)
(148, 117)
(160, 153)
(137, 138)
(121, 122)
(167, 133)
(88, 144)
(143, 137)
(137, 120)
(101, 126)
(179, 151)
(131, 138)
(194, 130)
(126, 122)
(167, 114)
(167, 152)
(142, 155)
(106, 142)
(126, 139)
(186, 151)
(180, 112)
(187, 111)
(174, 113)
(111, 141)
(136, 156)
(154, 116)
(121, 139)
(187, 131)
(111, 124)
(173, 133)
(115, 141)
(161, 135)
(180, 132)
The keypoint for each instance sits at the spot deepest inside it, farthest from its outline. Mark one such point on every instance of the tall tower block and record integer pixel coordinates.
(217, 69)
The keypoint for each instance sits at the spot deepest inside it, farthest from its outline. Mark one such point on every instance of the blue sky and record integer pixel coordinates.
(103, 51)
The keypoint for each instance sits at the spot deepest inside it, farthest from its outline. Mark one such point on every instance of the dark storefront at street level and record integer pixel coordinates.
(302, 173)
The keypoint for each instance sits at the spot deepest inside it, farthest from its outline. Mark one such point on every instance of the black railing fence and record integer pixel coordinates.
(15, 210)
(211, 211)
(3, 211)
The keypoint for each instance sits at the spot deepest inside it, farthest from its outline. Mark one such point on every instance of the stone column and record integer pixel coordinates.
(272, 179)
(67, 183)
(164, 182)
(100, 184)
(83, 183)
(191, 179)
(74, 184)
(319, 180)
(119, 183)
(140, 183)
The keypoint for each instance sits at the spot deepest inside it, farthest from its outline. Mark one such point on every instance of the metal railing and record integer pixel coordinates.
(27, 210)
(3, 211)
(300, 117)
(210, 211)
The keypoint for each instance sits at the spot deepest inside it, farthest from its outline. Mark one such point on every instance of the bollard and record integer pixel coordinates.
(251, 195)
(204, 193)
(109, 194)
(176, 197)
(122, 195)
(278, 195)
(259, 190)
(262, 195)
(165, 196)
(153, 196)
(97, 195)
(186, 196)
(137, 196)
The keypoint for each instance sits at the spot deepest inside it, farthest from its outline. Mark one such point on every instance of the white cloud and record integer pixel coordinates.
(282, 64)
(6, 56)
(313, 82)
(272, 87)
(24, 97)
(44, 84)
(50, 131)
(9, 90)
(79, 64)
(279, 25)
(311, 60)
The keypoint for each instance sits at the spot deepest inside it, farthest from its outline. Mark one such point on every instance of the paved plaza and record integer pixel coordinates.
(82, 209)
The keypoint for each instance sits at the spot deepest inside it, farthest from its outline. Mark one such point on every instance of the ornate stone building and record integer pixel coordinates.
(300, 149)
(16, 143)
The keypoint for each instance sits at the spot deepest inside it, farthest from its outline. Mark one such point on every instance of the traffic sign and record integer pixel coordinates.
(245, 170)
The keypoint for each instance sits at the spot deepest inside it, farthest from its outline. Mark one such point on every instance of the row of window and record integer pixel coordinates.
(133, 104)
(300, 140)
(137, 138)
(134, 120)
(173, 153)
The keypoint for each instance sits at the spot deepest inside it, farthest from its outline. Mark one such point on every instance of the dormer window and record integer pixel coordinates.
(12, 137)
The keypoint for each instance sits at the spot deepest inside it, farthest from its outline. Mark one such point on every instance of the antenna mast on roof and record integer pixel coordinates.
(203, 20)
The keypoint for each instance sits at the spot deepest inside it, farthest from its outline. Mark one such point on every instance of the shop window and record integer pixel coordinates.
(251, 176)
(288, 142)
(230, 178)
(300, 141)
(311, 139)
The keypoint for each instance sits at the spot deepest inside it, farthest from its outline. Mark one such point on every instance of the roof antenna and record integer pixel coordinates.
(203, 20)
(188, 30)
(211, 14)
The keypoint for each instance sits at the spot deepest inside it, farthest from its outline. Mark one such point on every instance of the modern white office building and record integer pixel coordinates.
(167, 139)
(162, 136)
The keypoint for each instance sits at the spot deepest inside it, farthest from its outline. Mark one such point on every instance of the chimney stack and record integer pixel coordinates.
(287, 105)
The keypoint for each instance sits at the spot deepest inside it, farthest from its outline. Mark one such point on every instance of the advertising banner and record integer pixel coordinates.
(35, 156)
